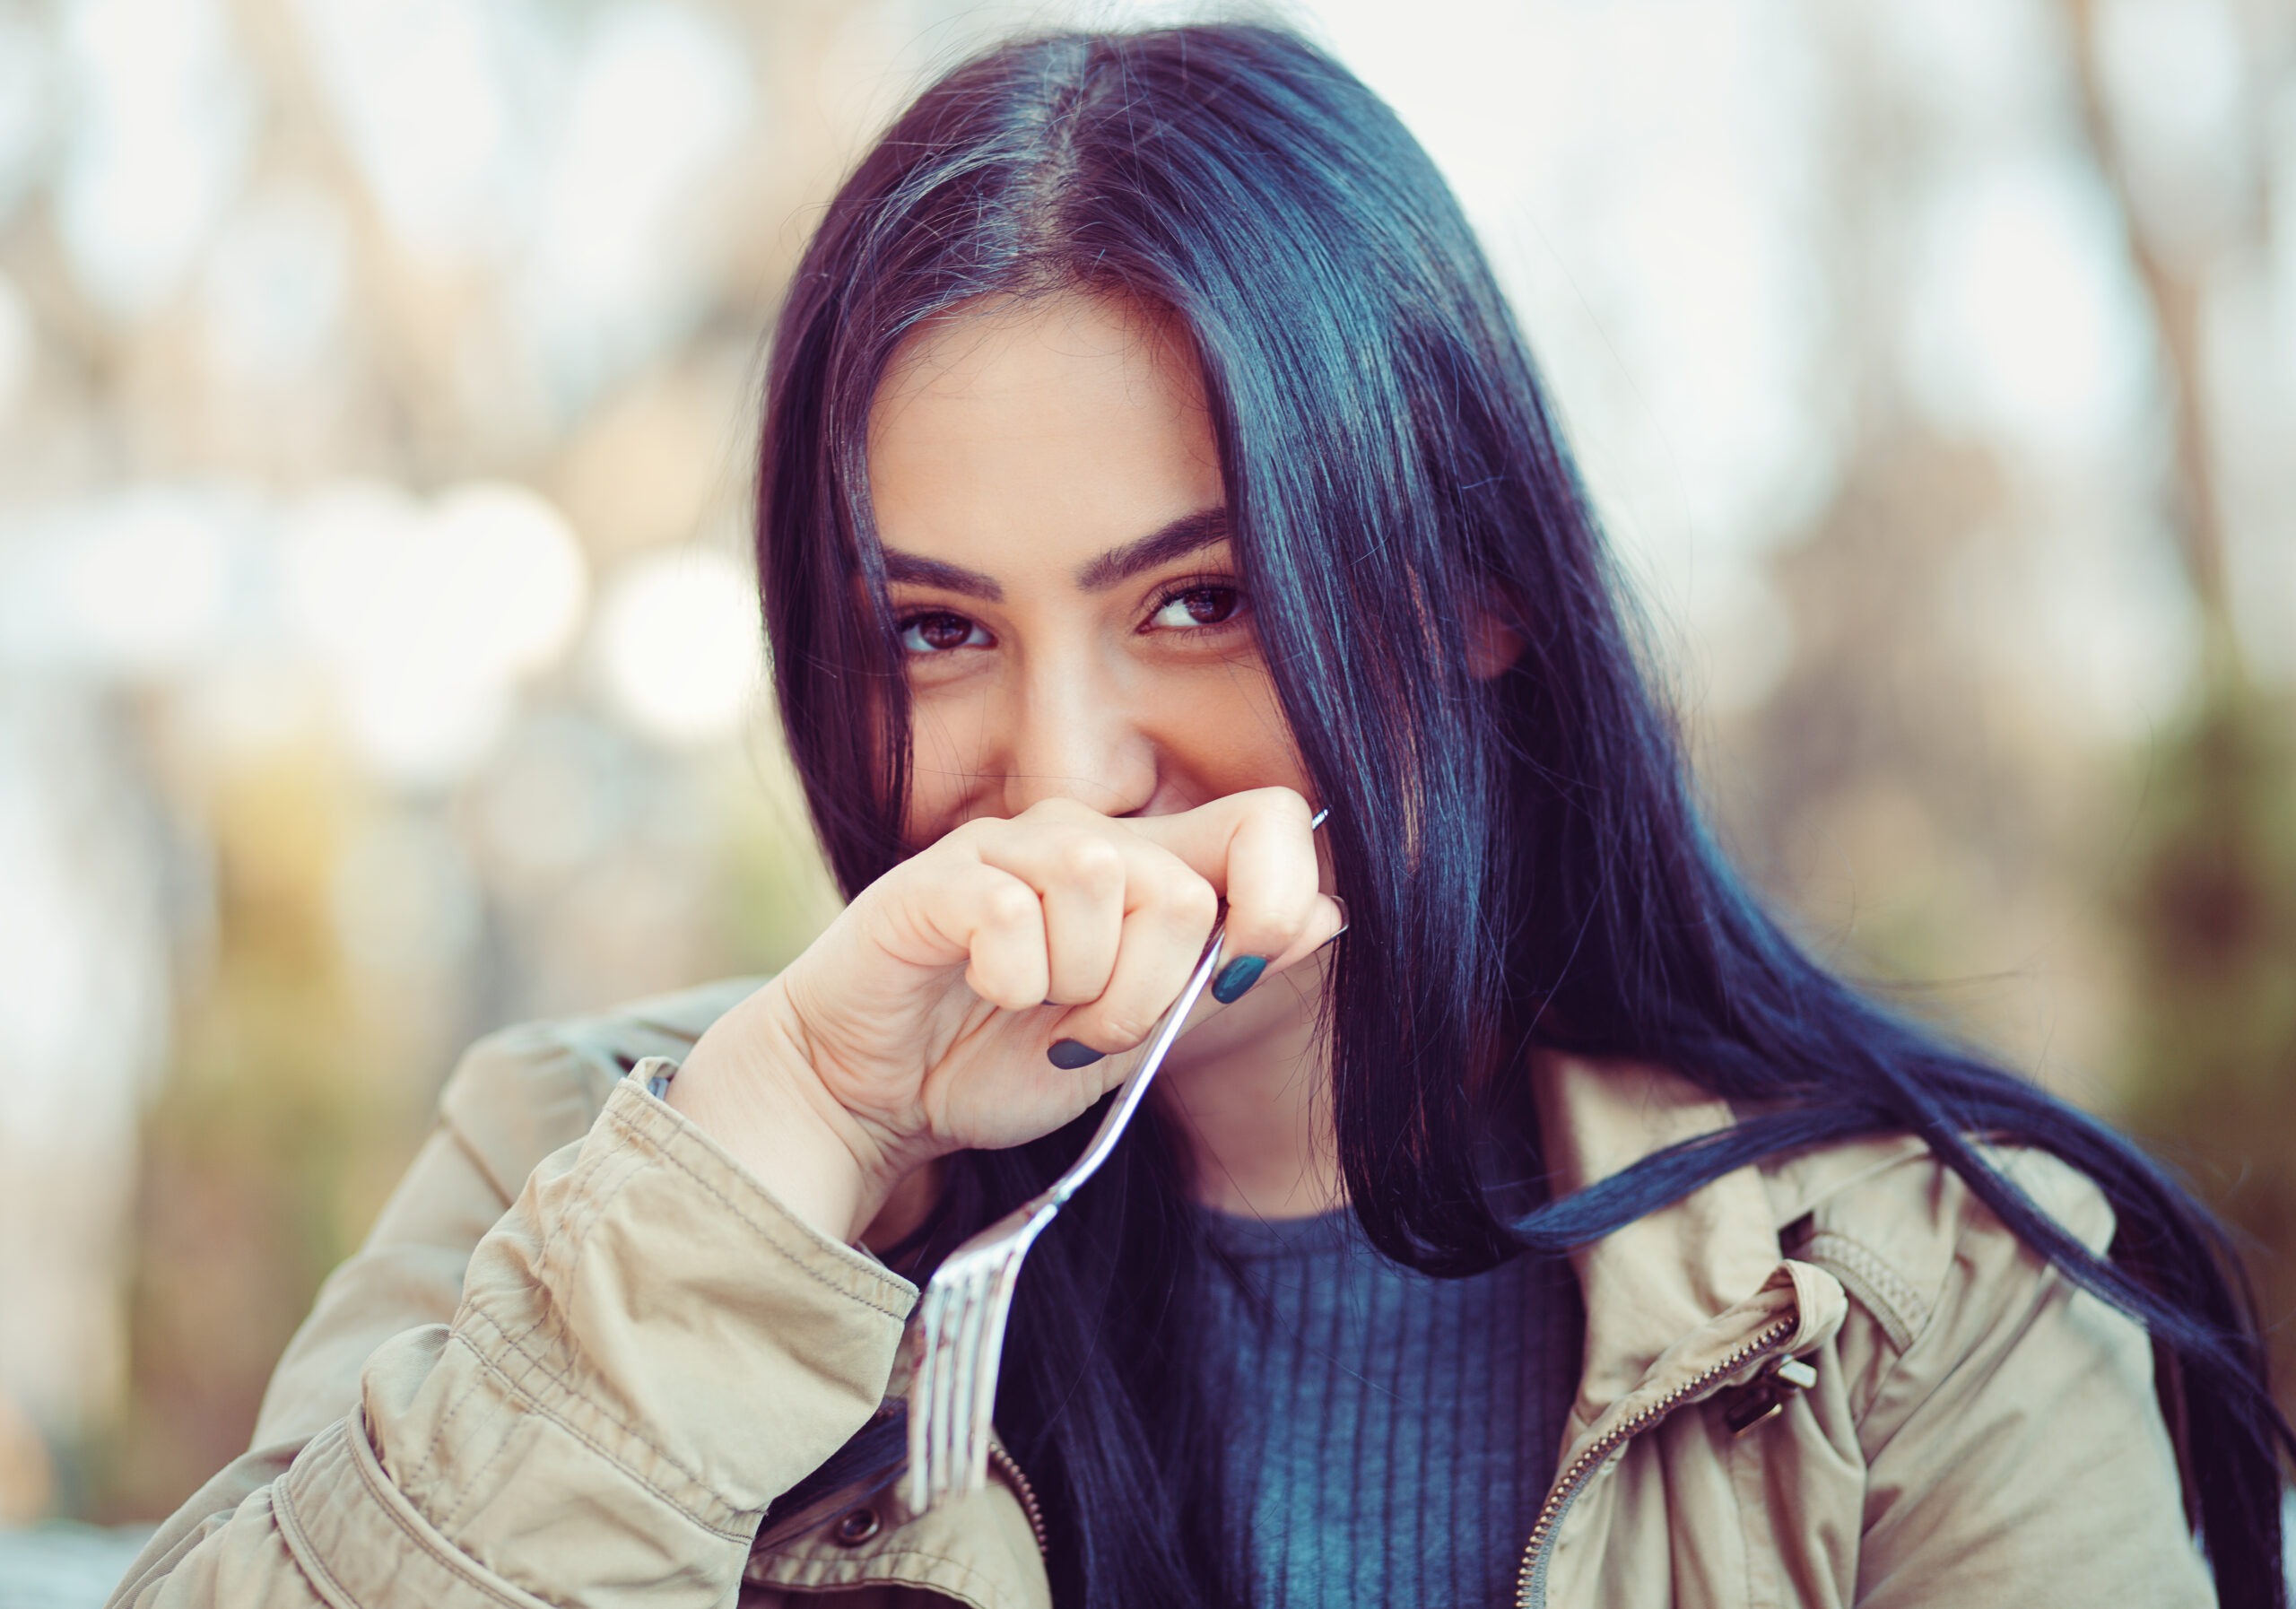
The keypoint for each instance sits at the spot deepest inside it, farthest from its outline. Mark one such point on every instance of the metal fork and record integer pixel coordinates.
(961, 1336)
(961, 1333)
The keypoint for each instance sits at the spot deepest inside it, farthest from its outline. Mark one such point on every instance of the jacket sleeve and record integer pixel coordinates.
(2017, 1455)
(588, 1397)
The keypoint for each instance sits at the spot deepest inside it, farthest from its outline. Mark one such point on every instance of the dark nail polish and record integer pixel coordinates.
(1073, 1054)
(1236, 977)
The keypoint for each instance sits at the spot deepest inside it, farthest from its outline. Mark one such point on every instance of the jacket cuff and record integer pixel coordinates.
(647, 1328)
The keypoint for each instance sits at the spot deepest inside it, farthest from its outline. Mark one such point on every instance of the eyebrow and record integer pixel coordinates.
(1189, 534)
(948, 577)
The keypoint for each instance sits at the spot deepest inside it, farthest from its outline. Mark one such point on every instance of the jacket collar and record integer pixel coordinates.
(1648, 1285)
(1695, 1270)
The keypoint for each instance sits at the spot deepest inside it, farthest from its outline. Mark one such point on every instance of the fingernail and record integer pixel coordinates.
(1236, 977)
(1073, 1054)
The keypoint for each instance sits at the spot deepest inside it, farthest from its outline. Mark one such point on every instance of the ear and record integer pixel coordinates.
(1492, 644)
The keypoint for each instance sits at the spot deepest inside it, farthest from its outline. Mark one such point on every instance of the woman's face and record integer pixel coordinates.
(1048, 495)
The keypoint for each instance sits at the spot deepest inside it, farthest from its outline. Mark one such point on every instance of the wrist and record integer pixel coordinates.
(749, 1084)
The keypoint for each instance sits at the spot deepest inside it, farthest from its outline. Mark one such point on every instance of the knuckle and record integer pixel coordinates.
(1284, 803)
(1009, 905)
(1092, 863)
(1193, 901)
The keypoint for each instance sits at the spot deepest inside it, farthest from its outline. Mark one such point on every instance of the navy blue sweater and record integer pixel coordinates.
(1390, 1435)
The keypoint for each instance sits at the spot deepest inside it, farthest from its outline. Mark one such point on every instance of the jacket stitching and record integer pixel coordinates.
(545, 1266)
(1968, 1226)
(455, 1564)
(1901, 1309)
(660, 1147)
(475, 1483)
(520, 1385)
(599, 1179)
(535, 1400)
(431, 1458)
(893, 1559)
(553, 1332)
(305, 1555)
(1913, 1309)
(609, 1174)
(595, 1180)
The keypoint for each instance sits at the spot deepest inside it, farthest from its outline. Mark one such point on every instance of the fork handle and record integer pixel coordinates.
(1130, 1092)
(1134, 1087)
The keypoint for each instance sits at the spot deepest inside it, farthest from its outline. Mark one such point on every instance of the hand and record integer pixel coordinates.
(921, 1021)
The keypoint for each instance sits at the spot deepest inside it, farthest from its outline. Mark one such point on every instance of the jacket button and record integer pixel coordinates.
(857, 1526)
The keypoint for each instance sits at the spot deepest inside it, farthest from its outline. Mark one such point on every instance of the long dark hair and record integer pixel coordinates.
(1532, 867)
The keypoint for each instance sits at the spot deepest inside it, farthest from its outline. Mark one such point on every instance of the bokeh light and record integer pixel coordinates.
(677, 642)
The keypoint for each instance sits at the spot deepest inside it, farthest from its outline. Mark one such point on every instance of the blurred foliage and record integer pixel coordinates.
(265, 1155)
(2209, 905)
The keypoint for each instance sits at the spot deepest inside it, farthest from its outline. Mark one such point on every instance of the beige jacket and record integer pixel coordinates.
(583, 1350)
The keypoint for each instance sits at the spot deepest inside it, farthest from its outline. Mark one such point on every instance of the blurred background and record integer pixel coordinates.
(378, 662)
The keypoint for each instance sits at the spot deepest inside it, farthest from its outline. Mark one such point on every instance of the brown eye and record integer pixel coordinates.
(1199, 606)
(939, 633)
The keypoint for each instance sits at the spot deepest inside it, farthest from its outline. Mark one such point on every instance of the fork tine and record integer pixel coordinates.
(992, 1356)
(956, 1474)
(949, 1351)
(920, 1398)
(979, 1396)
(948, 1300)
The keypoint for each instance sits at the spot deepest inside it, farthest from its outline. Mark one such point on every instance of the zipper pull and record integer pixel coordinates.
(1764, 1397)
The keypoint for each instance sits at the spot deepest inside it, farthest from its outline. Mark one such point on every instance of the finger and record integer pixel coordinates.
(1080, 874)
(997, 920)
(1203, 838)
(1273, 882)
(1170, 917)
(1327, 922)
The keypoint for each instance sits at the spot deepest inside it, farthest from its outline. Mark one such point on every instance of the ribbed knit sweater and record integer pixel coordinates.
(1390, 1435)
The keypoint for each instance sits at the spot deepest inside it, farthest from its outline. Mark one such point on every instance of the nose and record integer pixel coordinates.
(1073, 736)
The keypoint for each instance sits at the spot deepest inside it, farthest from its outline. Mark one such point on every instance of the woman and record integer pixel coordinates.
(1149, 460)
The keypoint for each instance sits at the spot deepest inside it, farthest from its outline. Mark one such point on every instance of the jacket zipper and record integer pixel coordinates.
(1530, 1581)
(1026, 1493)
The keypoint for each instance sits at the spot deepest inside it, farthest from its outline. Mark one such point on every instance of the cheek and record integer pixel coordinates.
(1225, 730)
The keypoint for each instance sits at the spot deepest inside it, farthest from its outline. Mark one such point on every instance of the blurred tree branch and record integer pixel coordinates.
(2174, 294)
(2211, 902)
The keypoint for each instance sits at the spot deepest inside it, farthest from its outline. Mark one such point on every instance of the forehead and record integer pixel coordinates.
(1043, 429)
